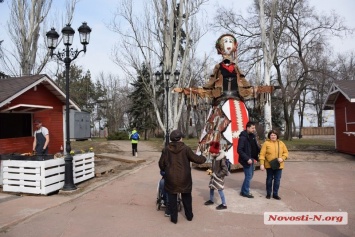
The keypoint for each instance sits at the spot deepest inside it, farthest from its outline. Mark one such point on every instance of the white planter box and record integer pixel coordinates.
(1, 172)
(43, 177)
(83, 167)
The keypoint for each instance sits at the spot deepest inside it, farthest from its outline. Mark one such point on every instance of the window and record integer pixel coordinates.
(14, 125)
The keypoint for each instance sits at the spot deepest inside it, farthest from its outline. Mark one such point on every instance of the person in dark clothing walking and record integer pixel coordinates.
(248, 150)
(41, 139)
(175, 162)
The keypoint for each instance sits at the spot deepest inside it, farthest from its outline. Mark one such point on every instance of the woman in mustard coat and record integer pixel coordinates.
(272, 149)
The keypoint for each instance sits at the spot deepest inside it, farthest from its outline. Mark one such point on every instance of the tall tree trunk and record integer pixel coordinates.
(268, 57)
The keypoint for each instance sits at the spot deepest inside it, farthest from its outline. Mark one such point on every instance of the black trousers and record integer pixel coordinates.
(134, 148)
(186, 202)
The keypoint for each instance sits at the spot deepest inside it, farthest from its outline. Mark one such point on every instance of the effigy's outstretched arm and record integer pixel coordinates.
(207, 93)
(200, 92)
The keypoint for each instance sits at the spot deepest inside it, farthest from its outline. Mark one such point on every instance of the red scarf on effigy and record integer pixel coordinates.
(229, 68)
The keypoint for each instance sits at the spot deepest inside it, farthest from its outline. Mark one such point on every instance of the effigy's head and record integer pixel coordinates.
(227, 45)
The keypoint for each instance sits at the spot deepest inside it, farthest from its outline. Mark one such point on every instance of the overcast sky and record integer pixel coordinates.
(99, 13)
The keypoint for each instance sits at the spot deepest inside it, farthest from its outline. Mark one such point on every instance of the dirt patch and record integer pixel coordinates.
(330, 156)
(99, 146)
(104, 169)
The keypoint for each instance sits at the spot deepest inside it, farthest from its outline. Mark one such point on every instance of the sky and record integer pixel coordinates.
(98, 14)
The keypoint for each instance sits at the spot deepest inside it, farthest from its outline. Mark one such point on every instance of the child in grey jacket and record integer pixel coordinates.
(218, 172)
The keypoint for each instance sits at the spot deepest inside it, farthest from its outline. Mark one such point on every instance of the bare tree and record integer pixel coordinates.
(113, 104)
(26, 25)
(306, 35)
(162, 37)
(322, 76)
(326, 70)
(345, 66)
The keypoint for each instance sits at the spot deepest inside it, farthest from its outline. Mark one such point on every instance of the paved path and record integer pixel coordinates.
(125, 205)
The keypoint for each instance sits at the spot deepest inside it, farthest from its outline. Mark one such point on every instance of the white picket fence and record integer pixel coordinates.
(43, 177)
(83, 167)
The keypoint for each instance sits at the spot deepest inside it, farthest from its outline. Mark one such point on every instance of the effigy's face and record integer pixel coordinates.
(228, 45)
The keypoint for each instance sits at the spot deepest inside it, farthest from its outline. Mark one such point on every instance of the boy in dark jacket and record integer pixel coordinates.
(175, 162)
(248, 150)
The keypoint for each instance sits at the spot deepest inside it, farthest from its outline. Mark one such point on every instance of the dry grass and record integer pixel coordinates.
(102, 145)
(310, 144)
(99, 145)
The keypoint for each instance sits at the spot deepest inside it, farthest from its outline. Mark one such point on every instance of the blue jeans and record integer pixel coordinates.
(248, 175)
(273, 175)
(221, 194)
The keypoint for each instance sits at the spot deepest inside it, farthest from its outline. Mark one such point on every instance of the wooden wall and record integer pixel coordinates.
(309, 131)
(344, 142)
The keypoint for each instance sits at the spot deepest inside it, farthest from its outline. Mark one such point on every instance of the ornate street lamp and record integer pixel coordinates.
(67, 56)
(168, 85)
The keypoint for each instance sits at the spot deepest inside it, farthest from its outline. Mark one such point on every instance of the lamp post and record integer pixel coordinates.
(168, 85)
(67, 56)
(299, 125)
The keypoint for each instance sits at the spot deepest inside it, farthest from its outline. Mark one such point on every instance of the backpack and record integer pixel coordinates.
(135, 136)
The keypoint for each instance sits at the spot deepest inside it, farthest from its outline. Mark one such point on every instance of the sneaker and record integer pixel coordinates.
(249, 195)
(221, 207)
(209, 202)
(277, 197)
(167, 214)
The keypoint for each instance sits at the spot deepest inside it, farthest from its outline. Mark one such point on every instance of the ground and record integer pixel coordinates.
(108, 166)
(313, 181)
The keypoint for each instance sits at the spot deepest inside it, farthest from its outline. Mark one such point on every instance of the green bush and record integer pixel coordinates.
(118, 136)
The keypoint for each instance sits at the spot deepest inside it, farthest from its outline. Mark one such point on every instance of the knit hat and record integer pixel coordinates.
(214, 147)
(176, 135)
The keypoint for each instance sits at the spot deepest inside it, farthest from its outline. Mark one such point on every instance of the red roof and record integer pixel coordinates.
(345, 87)
(12, 87)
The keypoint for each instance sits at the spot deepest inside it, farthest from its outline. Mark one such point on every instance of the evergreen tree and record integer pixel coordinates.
(82, 90)
(141, 111)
